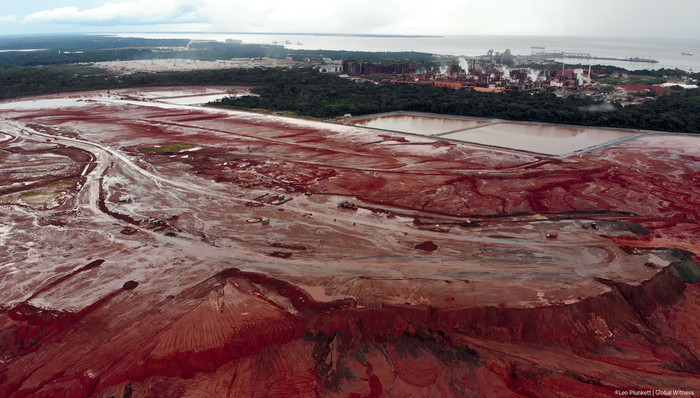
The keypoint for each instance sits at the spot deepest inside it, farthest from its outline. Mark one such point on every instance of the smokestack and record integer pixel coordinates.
(464, 64)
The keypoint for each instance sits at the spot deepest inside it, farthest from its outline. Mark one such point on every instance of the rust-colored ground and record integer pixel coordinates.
(227, 266)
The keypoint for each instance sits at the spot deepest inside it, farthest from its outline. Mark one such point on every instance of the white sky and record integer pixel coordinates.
(628, 18)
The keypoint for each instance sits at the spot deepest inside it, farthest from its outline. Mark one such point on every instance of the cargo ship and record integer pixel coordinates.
(638, 59)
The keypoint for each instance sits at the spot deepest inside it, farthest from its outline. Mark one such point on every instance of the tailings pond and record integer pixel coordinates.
(532, 137)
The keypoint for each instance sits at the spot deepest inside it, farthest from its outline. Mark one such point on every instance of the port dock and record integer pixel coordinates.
(589, 56)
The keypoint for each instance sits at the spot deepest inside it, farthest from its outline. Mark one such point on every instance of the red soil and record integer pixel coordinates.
(660, 90)
(229, 269)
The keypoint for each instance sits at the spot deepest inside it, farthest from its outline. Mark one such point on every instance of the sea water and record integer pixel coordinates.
(667, 51)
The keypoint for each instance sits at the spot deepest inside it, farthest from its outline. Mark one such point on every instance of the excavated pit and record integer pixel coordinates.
(151, 249)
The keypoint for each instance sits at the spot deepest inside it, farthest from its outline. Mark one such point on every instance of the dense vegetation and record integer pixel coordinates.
(61, 50)
(306, 92)
(214, 52)
(25, 81)
(608, 69)
(424, 59)
(82, 42)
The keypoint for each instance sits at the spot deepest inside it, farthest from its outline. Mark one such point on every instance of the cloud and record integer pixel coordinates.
(310, 16)
(132, 12)
(447, 17)
(8, 18)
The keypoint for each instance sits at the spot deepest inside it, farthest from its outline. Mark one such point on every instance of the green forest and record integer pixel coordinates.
(72, 49)
(305, 92)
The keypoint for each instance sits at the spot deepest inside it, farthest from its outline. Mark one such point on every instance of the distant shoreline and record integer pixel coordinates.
(281, 34)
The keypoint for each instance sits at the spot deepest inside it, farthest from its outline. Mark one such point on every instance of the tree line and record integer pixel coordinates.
(70, 49)
(307, 92)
